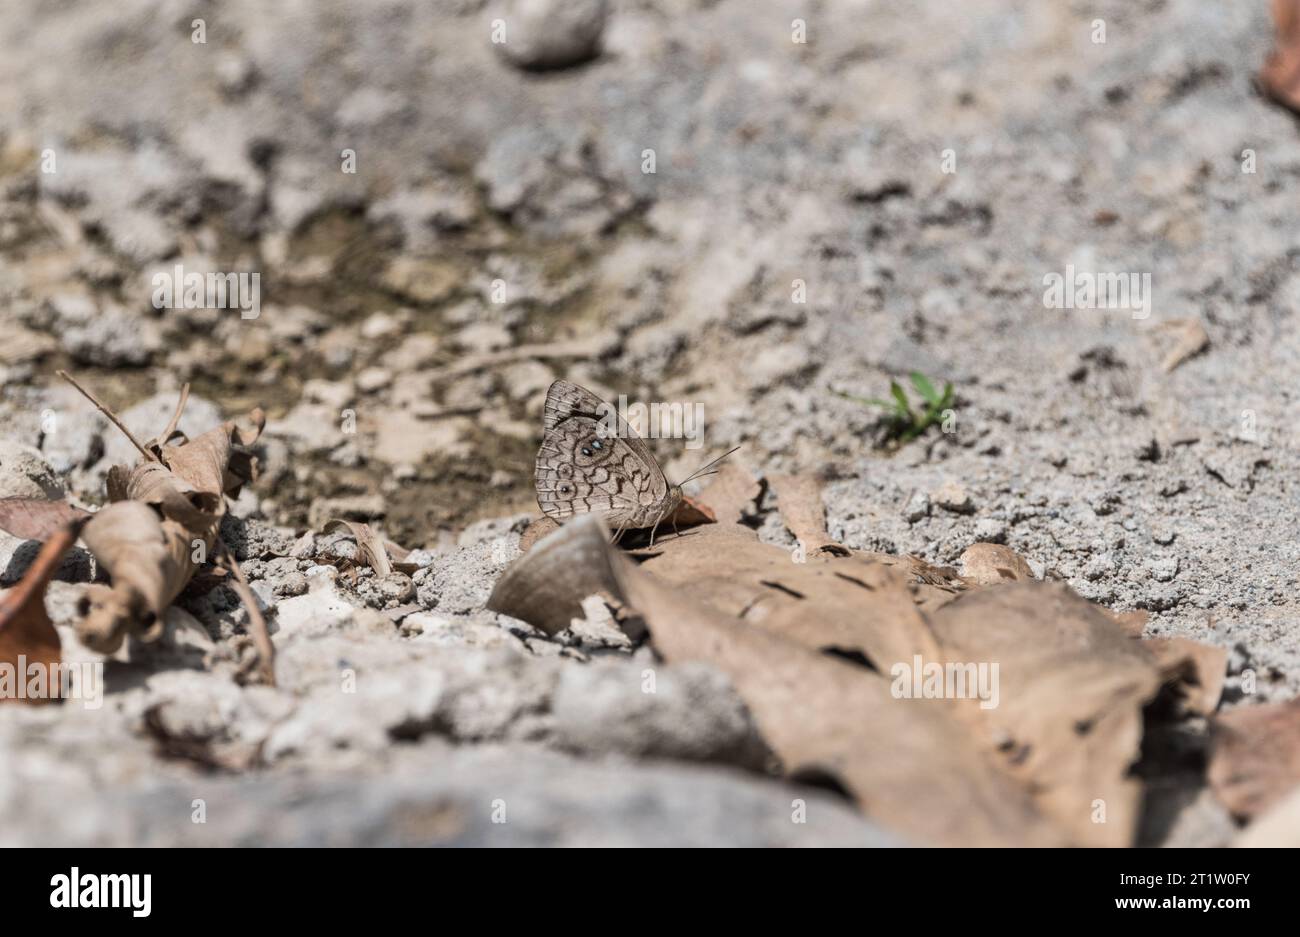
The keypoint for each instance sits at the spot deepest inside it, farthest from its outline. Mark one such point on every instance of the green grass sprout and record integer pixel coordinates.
(904, 422)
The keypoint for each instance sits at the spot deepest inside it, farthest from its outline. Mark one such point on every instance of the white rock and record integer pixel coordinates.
(318, 612)
(24, 474)
(543, 34)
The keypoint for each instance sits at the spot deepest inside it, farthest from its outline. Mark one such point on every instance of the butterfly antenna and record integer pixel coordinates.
(704, 469)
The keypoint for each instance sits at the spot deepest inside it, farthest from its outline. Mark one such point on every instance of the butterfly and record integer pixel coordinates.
(591, 461)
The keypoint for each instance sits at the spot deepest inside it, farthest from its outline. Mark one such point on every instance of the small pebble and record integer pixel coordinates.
(953, 497)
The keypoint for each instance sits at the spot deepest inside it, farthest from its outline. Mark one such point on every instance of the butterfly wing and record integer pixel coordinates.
(585, 465)
(565, 399)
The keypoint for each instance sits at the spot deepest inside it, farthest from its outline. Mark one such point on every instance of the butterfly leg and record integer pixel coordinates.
(652, 533)
(618, 533)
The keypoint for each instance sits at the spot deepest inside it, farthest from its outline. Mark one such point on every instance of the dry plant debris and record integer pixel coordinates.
(26, 635)
(161, 525)
(37, 519)
(1255, 759)
(370, 544)
(1190, 340)
(955, 711)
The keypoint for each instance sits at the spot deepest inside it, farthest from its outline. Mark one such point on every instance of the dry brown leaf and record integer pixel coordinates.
(148, 538)
(154, 484)
(163, 523)
(537, 528)
(187, 486)
(546, 587)
(201, 462)
(907, 762)
(1060, 743)
(369, 542)
(204, 462)
(1063, 662)
(27, 637)
(1072, 686)
(36, 518)
(149, 560)
(1196, 670)
(689, 512)
(1132, 623)
(1280, 77)
(397, 555)
(1255, 756)
(851, 606)
(799, 499)
(731, 494)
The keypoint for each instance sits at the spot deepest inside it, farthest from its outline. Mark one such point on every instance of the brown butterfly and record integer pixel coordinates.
(591, 461)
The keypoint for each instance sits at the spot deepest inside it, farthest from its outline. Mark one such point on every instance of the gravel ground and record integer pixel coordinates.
(823, 216)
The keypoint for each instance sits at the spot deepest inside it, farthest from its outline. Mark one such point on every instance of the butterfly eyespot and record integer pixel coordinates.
(596, 444)
(586, 452)
(563, 489)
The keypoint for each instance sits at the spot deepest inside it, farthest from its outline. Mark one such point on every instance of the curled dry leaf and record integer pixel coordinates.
(799, 498)
(547, 585)
(370, 543)
(154, 484)
(36, 518)
(824, 718)
(27, 637)
(398, 557)
(148, 558)
(1255, 756)
(163, 523)
(164, 510)
(205, 463)
(731, 494)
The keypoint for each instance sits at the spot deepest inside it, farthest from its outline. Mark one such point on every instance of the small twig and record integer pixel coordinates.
(176, 417)
(113, 418)
(256, 623)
